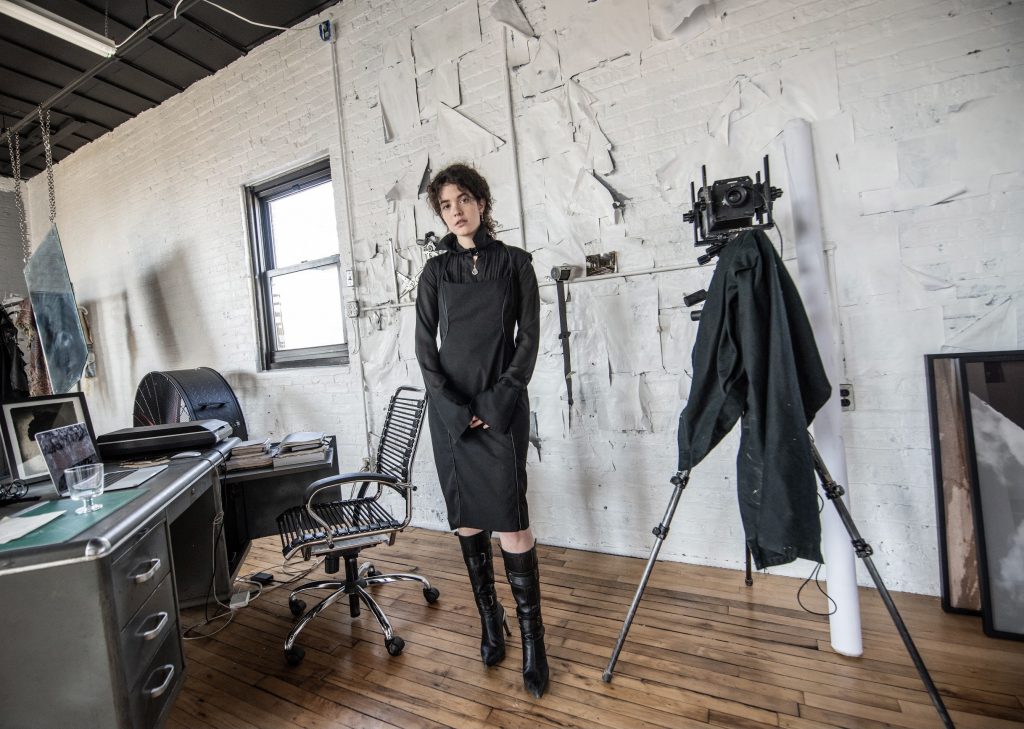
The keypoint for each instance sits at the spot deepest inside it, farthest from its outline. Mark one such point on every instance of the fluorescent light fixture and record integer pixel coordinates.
(53, 24)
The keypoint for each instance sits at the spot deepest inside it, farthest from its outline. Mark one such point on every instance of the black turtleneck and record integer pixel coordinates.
(491, 261)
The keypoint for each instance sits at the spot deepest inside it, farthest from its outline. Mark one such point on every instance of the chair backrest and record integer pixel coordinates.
(401, 433)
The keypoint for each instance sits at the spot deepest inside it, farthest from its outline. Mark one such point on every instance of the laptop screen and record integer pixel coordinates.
(63, 448)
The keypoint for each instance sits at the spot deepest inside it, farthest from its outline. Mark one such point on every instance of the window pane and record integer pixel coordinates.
(303, 225)
(306, 308)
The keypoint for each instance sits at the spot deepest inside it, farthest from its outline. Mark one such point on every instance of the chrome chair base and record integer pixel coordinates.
(354, 586)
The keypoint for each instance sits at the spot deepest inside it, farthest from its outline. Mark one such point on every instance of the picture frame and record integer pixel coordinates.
(20, 420)
(954, 503)
(992, 387)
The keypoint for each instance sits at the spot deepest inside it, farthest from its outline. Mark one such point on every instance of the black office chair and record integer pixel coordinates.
(341, 528)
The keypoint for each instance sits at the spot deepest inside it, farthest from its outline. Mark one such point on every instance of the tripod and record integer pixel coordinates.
(863, 550)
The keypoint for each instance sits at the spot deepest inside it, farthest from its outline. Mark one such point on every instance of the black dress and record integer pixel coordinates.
(489, 326)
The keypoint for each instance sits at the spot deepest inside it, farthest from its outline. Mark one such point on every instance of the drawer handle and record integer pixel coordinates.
(151, 634)
(148, 574)
(156, 693)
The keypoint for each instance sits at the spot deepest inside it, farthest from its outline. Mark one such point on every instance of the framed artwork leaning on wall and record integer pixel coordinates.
(20, 420)
(992, 387)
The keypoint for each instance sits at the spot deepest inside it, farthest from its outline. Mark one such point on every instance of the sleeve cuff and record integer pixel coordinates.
(496, 406)
(454, 416)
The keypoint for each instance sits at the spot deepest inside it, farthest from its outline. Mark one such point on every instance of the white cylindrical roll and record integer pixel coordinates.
(813, 280)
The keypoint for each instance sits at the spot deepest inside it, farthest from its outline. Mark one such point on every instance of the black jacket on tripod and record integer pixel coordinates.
(755, 358)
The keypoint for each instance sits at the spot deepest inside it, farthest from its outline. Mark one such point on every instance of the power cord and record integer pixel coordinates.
(191, 632)
(814, 576)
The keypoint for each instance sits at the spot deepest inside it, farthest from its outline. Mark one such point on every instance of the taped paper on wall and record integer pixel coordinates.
(456, 131)
(810, 85)
(397, 50)
(398, 107)
(546, 128)
(678, 19)
(593, 31)
(508, 13)
(623, 407)
(412, 182)
(588, 131)
(544, 72)
(450, 35)
(445, 84)
(996, 330)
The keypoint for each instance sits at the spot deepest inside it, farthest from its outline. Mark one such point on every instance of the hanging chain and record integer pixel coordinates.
(14, 148)
(44, 123)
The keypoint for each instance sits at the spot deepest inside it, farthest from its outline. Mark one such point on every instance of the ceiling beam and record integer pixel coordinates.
(127, 46)
(68, 66)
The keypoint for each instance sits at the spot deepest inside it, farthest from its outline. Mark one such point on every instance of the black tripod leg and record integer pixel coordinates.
(661, 531)
(864, 551)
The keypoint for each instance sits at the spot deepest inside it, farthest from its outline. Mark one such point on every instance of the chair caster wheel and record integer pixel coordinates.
(297, 607)
(294, 655)
(372, 571)
(431, 594)
(395, 645)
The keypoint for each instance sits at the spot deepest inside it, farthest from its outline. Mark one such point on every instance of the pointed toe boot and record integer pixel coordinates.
(524, 578)
(476, 550)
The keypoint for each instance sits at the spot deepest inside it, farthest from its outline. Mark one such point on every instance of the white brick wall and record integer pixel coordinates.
(152, 222)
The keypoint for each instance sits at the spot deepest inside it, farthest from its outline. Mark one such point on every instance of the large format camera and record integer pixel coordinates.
(727, 207)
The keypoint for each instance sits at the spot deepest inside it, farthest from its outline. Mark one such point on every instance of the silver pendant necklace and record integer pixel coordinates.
(474, 271)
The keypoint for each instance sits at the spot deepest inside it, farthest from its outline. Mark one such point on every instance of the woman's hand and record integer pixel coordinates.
(476, 422)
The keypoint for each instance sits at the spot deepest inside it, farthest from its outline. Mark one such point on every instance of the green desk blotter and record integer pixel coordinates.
(70, 524)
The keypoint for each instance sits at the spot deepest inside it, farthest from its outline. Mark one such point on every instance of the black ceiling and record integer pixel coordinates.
(36, 67)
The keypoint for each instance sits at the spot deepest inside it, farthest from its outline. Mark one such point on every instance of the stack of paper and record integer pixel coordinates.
(297, 448)
(250, 454)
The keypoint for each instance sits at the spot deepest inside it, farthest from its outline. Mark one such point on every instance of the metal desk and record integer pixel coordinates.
(89, 626)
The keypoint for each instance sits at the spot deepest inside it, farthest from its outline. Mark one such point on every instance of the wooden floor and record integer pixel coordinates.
(705, 650)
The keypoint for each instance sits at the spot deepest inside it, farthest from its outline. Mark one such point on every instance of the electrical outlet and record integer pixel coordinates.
(350, 278)
(846, 397)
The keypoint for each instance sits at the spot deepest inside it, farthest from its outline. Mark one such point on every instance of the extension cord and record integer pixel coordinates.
(239, 600)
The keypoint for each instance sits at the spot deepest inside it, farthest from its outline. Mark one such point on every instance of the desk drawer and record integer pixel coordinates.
(138, 571)
(159, 684)
(146, 631)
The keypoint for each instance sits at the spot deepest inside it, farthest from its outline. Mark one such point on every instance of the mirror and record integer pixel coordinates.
(56, 314)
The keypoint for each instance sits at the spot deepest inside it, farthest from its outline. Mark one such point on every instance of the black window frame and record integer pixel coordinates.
(258, 200)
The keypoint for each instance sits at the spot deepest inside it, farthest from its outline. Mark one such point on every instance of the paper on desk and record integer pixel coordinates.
(15, 527)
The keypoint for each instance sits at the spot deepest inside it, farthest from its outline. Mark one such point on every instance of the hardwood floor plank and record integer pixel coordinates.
(705, 650)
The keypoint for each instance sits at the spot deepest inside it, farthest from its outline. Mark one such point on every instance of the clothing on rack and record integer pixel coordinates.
(31, 350)
(13, 378)
(755, 357)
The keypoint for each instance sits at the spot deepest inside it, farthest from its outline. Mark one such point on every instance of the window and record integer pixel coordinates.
(297, 269)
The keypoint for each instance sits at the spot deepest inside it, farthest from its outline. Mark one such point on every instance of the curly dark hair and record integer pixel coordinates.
(465, 178)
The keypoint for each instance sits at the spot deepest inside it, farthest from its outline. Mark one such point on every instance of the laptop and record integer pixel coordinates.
(72, 445)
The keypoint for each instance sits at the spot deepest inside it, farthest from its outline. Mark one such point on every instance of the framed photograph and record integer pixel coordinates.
(993, 403)
(954, 505)
(20, 420)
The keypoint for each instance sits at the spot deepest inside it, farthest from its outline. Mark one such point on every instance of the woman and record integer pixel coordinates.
(479, 294)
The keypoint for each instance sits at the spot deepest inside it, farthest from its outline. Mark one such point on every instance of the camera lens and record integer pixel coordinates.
(735, 196)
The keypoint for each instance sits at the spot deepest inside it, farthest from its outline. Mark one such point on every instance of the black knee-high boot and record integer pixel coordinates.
(476, 550)
(524, 577)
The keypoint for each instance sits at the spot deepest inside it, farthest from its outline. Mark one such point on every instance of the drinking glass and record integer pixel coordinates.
(84, 484)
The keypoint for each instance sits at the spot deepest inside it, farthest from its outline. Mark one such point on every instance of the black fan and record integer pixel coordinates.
(180, 395)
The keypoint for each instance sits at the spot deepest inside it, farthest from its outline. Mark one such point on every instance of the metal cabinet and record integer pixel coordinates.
(89, 629)
(92, 639)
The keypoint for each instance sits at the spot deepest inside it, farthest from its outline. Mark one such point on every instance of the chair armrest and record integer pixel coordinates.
(345, 478)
